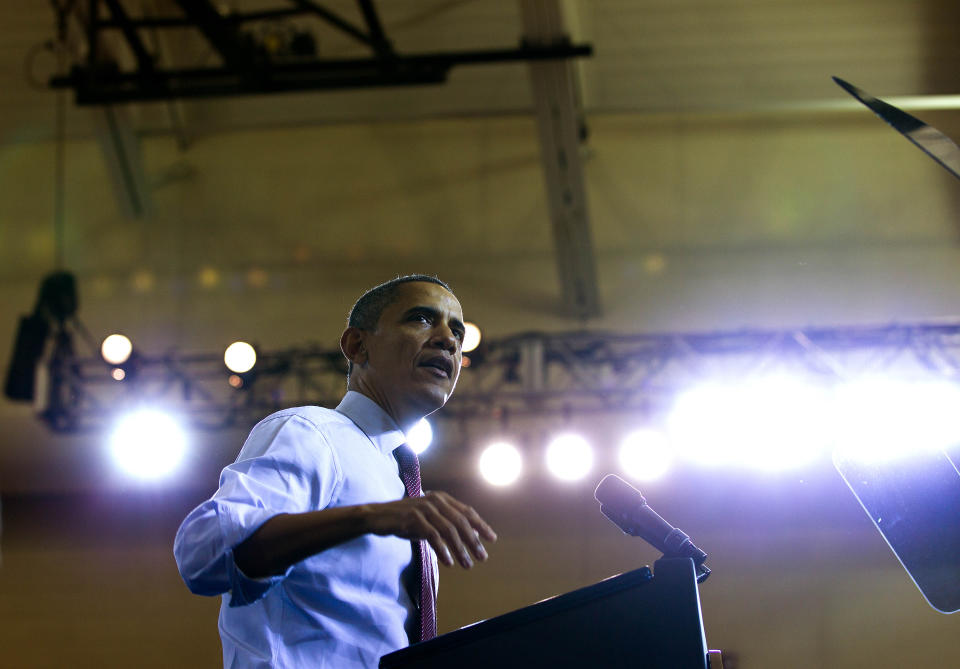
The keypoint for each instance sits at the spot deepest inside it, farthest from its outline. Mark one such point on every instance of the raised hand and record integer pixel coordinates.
(452, 528)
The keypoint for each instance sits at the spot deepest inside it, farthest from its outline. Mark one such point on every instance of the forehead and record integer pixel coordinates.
(424, 294)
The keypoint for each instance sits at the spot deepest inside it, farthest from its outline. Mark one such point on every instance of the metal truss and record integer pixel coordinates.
(586, 372)
(533, 374)
(119, 65)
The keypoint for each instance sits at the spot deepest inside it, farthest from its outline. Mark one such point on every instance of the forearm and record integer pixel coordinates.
(287, 539)
(451, 527)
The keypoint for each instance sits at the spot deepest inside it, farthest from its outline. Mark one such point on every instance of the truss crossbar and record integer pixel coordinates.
(534, 374)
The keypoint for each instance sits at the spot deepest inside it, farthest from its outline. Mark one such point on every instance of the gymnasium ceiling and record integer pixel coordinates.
(651, 57)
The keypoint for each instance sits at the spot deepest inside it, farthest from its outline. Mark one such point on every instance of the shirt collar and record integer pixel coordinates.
(381, 429)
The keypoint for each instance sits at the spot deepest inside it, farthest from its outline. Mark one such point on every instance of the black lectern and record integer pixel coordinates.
(640, 620)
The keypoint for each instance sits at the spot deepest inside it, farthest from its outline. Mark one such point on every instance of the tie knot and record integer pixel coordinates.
(409, 467)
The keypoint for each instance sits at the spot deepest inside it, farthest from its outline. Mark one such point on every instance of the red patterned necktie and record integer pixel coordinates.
(410, 475)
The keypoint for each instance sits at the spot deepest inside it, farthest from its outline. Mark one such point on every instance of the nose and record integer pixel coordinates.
(444, 338)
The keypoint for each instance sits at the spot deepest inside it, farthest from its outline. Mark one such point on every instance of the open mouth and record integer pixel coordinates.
(442, 366)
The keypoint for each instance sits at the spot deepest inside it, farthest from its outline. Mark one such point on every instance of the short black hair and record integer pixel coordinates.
(366, 312)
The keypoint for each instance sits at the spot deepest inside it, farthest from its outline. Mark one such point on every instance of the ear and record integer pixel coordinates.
(351, 343)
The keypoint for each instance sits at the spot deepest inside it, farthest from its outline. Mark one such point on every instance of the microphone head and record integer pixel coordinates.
(626, 507)
(616, 493)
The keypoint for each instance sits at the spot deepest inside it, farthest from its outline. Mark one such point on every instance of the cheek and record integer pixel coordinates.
(407, 353)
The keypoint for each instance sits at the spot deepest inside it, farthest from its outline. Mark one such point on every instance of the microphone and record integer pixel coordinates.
(626, 507)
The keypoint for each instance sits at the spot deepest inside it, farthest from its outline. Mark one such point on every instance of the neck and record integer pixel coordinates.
(404, 419)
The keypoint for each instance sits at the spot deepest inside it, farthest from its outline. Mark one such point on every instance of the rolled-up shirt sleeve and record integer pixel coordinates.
(285, 466)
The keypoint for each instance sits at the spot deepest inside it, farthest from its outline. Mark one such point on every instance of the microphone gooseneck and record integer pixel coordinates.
(627, 508)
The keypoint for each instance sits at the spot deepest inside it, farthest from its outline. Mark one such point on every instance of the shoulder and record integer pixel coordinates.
(318, 418)
(297, 430)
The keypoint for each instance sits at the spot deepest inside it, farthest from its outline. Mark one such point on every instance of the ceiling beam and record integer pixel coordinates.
(381, 45)
(248, 67)
(561, 125)
(223, 35)
(97, 86)
(338, 22)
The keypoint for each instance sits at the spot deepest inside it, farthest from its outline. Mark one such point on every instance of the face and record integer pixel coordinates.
(410, 364)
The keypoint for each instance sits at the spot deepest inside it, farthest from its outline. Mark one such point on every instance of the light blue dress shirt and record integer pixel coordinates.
(342, 608)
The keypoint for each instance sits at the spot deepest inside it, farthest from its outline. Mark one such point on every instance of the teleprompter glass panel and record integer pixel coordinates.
(915, 503)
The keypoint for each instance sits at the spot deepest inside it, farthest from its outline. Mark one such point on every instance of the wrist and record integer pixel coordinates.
(366, 518)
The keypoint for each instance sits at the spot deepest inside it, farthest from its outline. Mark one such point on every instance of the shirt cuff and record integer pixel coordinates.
(245, 590)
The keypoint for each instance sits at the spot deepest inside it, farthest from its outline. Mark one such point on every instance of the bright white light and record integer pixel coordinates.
(147, 444)
(420, 436)
(645, 454)
(240, 357)
(471, 337)
(569, 457)
(881, 419)
(500, 463)
(769, 423)
(788, 424)
(700, 423)
(116, 349)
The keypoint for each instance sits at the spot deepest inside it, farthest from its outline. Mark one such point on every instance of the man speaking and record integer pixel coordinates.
(320, 538)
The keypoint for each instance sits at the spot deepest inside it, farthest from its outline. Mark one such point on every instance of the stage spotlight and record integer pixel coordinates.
(240, 357)
(770, 423)
(420, 436)
(645, 454)
(569, 457)
(700, 423)
(471, 336)
(500, 464)
(56, 304)
(116, 349)
(118, 373)
(787, 424)
(147, 444)
(879, 420)
(30, 342)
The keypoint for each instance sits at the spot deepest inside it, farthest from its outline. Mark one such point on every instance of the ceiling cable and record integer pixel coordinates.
(60, 47)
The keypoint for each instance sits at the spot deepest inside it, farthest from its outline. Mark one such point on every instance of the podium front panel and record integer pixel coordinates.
(637, 620)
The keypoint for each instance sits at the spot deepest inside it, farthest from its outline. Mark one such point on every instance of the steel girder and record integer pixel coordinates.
(533, 374)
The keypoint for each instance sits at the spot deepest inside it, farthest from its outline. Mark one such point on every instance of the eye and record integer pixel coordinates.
(420, 317)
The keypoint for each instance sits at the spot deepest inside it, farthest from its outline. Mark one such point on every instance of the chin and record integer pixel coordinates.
(433, 399)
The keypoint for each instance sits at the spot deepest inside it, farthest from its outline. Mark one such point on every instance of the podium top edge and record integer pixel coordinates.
(512, 619)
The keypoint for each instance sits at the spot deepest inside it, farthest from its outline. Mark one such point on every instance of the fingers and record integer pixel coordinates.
(458, 533)
(455, 530)
(435, 539)
(451, 543)
(479, 525)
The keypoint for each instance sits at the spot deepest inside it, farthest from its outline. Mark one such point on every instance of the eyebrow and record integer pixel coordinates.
(433, 313)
